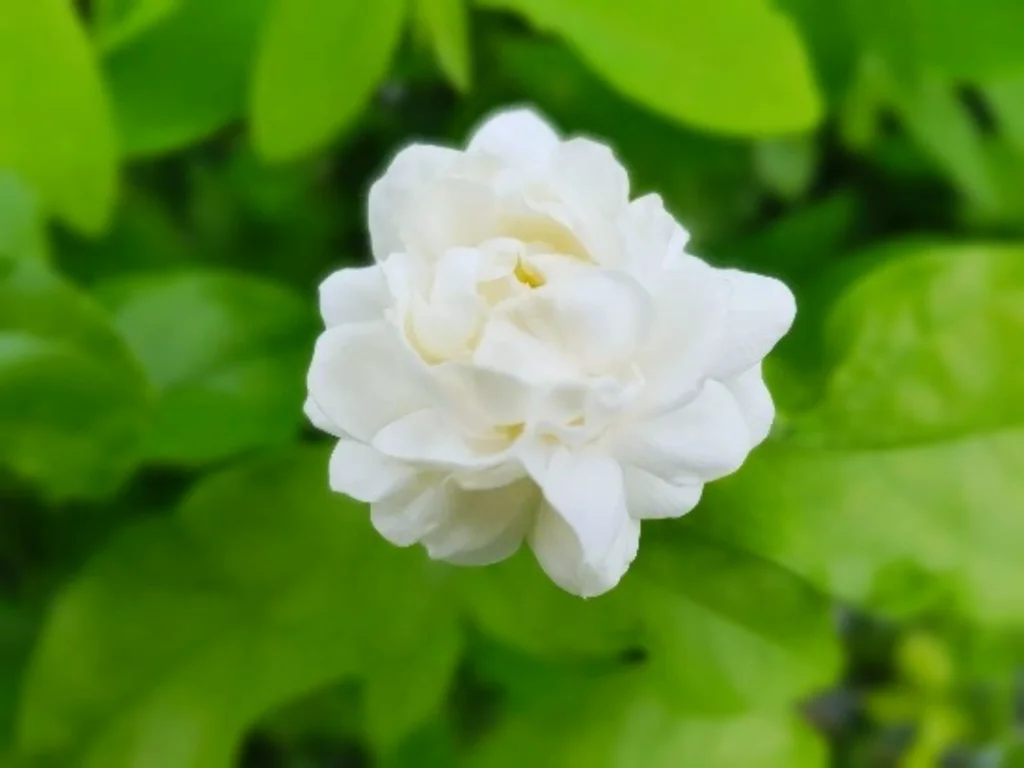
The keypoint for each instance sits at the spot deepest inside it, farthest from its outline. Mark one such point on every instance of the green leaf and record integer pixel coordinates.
(22, 234)
(118, 21)
(730, 633)
(447, 24)
(17, 630)
(73, 402)
(913, 456)
(516, 603)
(319, 61)
(787, 166)
(950, 38)
(185, 630)
(185, 78)
(736, 66)
(1006, 98)
(616, 722)
(227, 354)
(56, 130)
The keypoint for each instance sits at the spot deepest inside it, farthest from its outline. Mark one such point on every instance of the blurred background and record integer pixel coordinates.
(178, 589)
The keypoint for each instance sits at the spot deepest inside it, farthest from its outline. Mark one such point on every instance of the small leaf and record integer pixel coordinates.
(185, 78)
(787, 165)
(119, 21)
(22, 234)
(227, 354)
(73, 402)
(447, 24)
(186, 630)
(59, 136)
(318, 64)
(736, 66)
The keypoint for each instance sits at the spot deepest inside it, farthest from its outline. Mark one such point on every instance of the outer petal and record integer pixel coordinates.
(754, 401)
(411, 512)
(319, 419)
(366, 474)
(650, 497)
(559, 552)
(354, 295)
(761, 311)
(516, 136)
(483, 527)
(362, 379)
(701, 441)
(430, 437)
(653, 239)
(584, 538)
(412, 170)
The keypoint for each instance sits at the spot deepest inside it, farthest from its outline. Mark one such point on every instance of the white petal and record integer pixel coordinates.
(517, 136)
(701, 441)
(363, 378)
(559, 552)
(430, 437)
(412, 512)
(452, 212)
(654, 239)
(761, 311)
(413, 169)
(755, 402)
(690, 312)
(505, 347)
(650, 497)
(319, 419)
(587, 493)
(366, 474)
(591, 177)
(483, 527)
(600, 318)
(354, 295)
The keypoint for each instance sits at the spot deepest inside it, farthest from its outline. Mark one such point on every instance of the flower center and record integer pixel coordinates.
(528, 275)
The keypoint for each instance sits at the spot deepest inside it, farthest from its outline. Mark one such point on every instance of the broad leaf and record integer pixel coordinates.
(56, 130)
(913, 458)
(185, 630)
(73, 402)
(227, 354)
(318, 63)
(616, 722)
(118, 21)
(736, 66)
(729, 633)
(186, 77)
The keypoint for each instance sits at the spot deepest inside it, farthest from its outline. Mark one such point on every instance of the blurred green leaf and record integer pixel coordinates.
(787, 165)
(118, 21)
(516, 603)
(185, 78)
(950, 38)
(227, 354)
(618, 723)
(403, 695)
(319, 62)
(73, 402)
(22, 235)
(730, 633)
(913, 453)
(736, 66)
(1006, 98)
(185, 630)
(56, 130)
(447, 24)
(17, 631)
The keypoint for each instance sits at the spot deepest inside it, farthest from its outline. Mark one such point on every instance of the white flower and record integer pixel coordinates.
(533, 356)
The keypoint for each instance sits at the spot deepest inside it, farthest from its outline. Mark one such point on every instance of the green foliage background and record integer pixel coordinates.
(179, 590)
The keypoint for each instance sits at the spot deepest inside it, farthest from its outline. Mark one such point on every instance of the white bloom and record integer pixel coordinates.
(533, 356)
